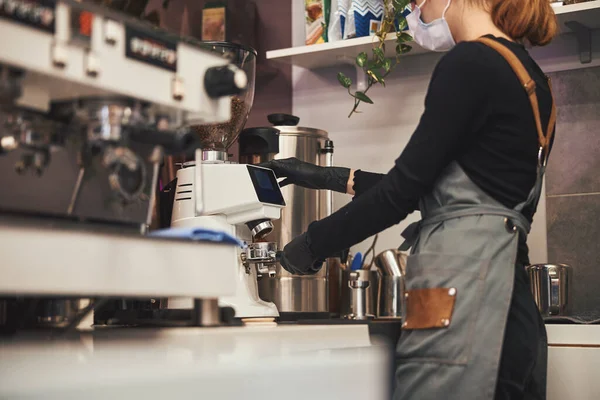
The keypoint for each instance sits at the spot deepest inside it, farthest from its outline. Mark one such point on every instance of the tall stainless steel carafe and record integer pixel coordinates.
(292, 293)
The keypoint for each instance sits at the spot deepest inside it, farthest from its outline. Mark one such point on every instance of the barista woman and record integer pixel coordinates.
(474, 168)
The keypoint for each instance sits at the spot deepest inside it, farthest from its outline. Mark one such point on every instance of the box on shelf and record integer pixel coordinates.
(316, 13)
(229, 21)
(367, 16)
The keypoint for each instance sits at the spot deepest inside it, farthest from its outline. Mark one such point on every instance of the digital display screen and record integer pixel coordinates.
(266, 186)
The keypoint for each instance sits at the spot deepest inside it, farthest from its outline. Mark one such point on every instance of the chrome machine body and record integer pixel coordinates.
(90, 102)
(80, 123)
(292, 293)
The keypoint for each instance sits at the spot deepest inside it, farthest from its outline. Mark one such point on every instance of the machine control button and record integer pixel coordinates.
(111, 32)
(59, 55)
(92, 67)
(8, 143)
(177, 89)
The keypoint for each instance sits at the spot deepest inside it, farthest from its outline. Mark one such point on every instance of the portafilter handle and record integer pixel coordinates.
(173, 142)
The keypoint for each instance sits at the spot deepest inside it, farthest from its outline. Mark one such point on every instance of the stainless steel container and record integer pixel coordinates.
(392, 266)
(348, 301)
(291, 293)
(360, 299)
(551, 285)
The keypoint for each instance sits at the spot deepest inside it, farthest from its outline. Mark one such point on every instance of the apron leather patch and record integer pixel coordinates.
(429, 308)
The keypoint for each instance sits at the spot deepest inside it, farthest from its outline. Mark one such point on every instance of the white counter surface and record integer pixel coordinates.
(573, 362)
(264, 362)
(573, 335)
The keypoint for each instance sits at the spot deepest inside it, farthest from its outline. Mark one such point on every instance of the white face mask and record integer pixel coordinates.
(434, 36)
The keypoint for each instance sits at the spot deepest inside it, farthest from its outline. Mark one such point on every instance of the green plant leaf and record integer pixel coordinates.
(387, 65)
(403, 37)
(361, 59)
(344, 80)
(403, 48)
(402, 24)
(363, 97)
(379, 54)
(374, 64)
(376, 76)
(400, 4)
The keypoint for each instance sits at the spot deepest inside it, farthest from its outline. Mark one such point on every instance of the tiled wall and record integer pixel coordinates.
(573, 186)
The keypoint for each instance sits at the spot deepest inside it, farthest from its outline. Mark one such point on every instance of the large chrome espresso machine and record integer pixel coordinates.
(91, 101)
(296, 297)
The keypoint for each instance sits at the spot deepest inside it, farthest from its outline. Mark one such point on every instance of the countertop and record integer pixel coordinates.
(257, 362)
(573, 335)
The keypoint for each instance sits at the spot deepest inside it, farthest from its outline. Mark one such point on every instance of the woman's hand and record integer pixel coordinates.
(310, 175)
(297, 258)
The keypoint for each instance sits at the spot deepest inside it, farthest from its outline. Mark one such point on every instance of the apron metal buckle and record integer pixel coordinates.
(510, 226)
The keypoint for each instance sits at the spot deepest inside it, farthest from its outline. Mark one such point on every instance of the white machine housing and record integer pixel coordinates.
(233, 194)
(117, 58)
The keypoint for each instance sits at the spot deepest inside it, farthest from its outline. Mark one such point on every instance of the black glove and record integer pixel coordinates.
(297, 258)
(309, 175)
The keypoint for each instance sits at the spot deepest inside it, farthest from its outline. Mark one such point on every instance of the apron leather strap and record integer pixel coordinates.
(529, 85)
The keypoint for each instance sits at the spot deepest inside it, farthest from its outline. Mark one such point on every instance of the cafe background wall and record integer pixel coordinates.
(374, 139)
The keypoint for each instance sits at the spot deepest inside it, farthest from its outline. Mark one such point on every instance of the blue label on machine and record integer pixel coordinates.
(150, 48)
(39, 14)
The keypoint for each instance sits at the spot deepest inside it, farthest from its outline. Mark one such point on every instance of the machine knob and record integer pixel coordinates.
(223, 81)
(127, 173)
(172, 142)
(8, 143)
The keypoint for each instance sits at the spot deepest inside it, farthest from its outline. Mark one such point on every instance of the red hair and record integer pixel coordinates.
(530, 20)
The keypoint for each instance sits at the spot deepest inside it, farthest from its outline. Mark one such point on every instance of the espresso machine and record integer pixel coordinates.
(91, 101)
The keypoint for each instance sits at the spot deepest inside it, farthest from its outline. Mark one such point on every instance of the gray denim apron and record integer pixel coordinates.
(465, 248)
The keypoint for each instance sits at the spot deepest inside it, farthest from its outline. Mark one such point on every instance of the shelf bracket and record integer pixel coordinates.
(583, 34)
(361, 76)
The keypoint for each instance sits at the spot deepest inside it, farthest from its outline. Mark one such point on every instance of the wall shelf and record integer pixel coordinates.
(586, 15)
(335, 53)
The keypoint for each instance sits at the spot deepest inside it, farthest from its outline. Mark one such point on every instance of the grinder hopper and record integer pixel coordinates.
(219, 137)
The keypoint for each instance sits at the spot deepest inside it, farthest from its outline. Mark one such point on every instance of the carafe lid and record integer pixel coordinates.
(287, 125)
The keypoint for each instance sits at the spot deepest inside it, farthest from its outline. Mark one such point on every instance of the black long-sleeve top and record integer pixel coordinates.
(476, 113)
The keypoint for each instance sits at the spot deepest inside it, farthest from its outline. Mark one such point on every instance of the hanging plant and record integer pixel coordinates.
(377, 67)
